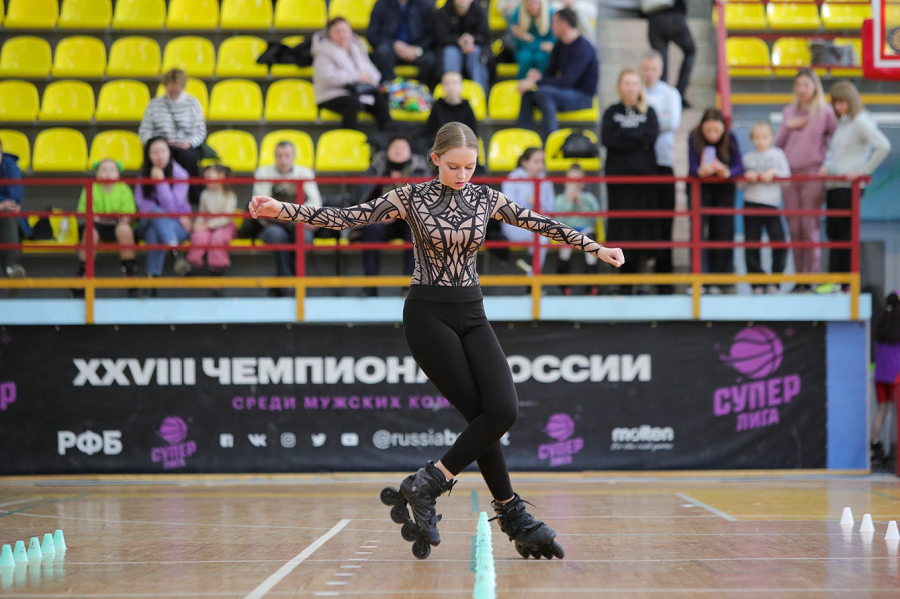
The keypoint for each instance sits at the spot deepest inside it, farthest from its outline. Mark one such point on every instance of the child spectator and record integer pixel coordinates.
(760, 168)
(576, 199)
(530, 166)
(452, 107)
(887, 368)
(217, 198)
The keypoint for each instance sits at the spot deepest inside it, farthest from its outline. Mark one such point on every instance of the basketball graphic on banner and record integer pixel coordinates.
(173, 430)
(756, 352)
(560, 426)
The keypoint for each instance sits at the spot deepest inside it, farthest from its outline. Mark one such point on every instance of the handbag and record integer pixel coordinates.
(578, 145)
(651, 6)
(362, 89)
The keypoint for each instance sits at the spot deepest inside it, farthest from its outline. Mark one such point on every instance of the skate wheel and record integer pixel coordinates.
(408, 532)
(557, 550)
(421, 549)
(546, 552)
(389, 496)
(399, 514)
(522, 551)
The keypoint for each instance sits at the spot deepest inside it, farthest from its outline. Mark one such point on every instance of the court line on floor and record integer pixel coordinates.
(43, 503)
(707, 507)
(286, 569)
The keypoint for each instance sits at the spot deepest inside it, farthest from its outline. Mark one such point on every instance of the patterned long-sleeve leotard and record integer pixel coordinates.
(448, 226)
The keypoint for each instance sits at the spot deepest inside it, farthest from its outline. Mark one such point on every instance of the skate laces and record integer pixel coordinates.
(513, 516)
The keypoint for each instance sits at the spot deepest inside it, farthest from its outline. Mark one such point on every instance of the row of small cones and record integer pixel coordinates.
(52, 544)
(892, 534)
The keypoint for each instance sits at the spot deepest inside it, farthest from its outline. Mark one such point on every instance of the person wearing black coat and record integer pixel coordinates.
(629, 130)
(403, 30)
(461, 33)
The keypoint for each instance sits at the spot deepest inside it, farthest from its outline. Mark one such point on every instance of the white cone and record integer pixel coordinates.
(847, 517)
(867, 525)
(892, 532)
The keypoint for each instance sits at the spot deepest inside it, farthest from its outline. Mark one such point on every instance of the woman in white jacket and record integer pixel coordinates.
(857, 148)
(344, 78)
(530, 166)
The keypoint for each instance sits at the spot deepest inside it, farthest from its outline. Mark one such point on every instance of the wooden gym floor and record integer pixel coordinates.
(638, 535)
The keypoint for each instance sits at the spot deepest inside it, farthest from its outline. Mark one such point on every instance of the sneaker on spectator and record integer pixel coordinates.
(773, 289)
(714, 290)
(16, 271)
(642, 290)
(525, 266)
(759, 290)
(827, 288)
(181, 266)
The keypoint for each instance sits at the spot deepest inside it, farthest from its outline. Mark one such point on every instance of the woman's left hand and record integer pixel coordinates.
(186, 223)
(612, 256)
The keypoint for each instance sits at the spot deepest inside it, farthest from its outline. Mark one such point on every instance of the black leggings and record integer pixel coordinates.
(455, 346)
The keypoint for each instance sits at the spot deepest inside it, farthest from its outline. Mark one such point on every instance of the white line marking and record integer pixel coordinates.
(370, 541)
(325, 593)
(26, 500)
(351, 566)
(357, 559)
(344, 574)
(707, 507)
(363, 552)
(286, 569)
(368, 547)
(336, 583)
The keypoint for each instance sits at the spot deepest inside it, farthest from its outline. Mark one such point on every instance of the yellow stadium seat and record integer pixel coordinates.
(235, 100)
(303, 145)
(246, 14)
(60, 150)
(133, 56)
(139, 14)
(330, 116)
(193, 14)
(407, 71)
(507, 145)
(300, 14)
(237, 57)
(32, 14)
(504, 101)
(504, 69)
(585, 114)
(67, 101)
(16, 142)
(845, 16)
(85, 14)
(124, 146)
(195, 55)
(79, 56)
(25, 56)
(496, 21)
(291, 100)
(196, 88)
(122, 100)
(746, 16)
(290, 70)
(2, 13)
(553, 152)
(482, 159)
(236, 149)
(355, 11)
(747, 57)
(793, 15)
(849, 71)
(342, 150)
(472, 92)
(790, 52)
(18, 101)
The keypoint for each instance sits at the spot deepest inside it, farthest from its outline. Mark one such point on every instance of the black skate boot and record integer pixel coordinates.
(532, 537)
(420, 491)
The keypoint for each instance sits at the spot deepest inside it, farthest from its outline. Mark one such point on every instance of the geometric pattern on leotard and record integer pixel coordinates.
(448, 226)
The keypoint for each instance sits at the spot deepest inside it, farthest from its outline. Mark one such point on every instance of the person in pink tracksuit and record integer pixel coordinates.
(807, 125)
(217, 198)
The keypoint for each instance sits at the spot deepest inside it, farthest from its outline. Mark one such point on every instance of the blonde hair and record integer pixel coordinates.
(542, 22)
(453, 135)
(844, 91)
(818, 101)
(641, 105)
(762, 125)
(174, 76)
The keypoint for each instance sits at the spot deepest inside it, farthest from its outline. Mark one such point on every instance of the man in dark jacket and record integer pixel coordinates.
(670, 25)
(11, 202)
(403, 30)
(461, 32)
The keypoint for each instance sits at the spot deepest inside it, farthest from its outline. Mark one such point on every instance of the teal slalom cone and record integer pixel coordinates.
(34, 549)
(19, 553)
(59, 541)
(6, 557)
(47, 545)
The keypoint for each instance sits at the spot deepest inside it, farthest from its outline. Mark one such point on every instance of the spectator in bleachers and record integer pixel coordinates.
(529, 166)
(576, 199)
(162, 196)
(452, 107)
(11, 201)
(857, 148)
(177, 117)
(110, 196)
(461, 31)
(403, 31)
(887, 370)
(760, 167)
(807, 125)
(532, 32)
(666, 102)
(396, 162)
(217, 198)
(670, 25)
(714, 155)
(282, 231)
(344, 77)
(569, 81)
(629, 130)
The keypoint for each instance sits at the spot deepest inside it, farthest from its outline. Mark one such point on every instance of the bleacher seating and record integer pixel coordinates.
(134, 56)
(246, 14)
(553, 152)
(139, 14)
(236, 149)
(85, 14)
(123, 100)
(25, 56)
(342, 151)
(237, 57)
(355, 11)
(18, 101)
(303, 145)
(195, 55)
(16, 142)
(193, 14)
(747, 57)
(79, 56)
(291, 100)
(60, 150)
(506, 147)
(300, 14)
(789, 52)
(235, 100)
(31, 14)
(124, 146)
(67, 101)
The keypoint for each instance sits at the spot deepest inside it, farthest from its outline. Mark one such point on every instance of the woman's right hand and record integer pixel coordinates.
(264, 206)
(157, 173)
(797, 122)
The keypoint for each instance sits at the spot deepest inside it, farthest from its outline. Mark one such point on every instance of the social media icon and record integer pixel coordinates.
(349, 439)
(257, 440)
(288, 440)
(318, 440)
(226, 440)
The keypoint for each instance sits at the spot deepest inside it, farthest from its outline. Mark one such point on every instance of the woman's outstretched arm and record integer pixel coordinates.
(383, 208)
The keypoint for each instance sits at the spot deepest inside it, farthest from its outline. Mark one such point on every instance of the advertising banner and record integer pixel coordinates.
(306, 398)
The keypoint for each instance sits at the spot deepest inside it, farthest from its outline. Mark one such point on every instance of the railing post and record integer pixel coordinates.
(300, 258)
(88, 253)
(536, 257)
(855, 196)
(696, 251)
